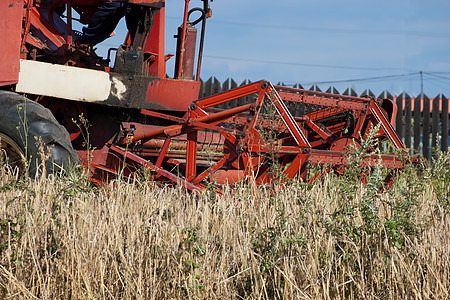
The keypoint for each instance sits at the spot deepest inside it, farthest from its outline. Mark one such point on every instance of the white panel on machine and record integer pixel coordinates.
(65, 82)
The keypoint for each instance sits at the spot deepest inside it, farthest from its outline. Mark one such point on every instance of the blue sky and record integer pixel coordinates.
(309, 42)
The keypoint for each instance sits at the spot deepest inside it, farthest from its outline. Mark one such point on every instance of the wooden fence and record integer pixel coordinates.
(417, 117)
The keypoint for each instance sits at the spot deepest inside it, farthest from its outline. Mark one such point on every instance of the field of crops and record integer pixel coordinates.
(335, 239)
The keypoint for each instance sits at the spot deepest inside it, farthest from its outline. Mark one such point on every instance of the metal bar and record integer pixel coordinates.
(356, 103)
(191, 155)
(162, 116)
(229, 95)
(212, 169)
(196, 112)
(386, 126)
(69, 22)
(324, 135)
(280, 88)
(178, 129)
(296, 165)
(178, 154)
(289, 120)
(320, 174)
(325, 113)
(339, 158)
(183, 37)
(258, 148)
(207, 12)
(359, 124)
(160, 171)
(163, 152)
(258, 104)
(224, 114)
(144, 137)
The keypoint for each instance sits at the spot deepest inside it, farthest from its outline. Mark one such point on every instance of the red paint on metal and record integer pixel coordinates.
(386, 126)
(160, 171)
(312, 97)
(162, 116)
(41, 24)
(170, 94)
(11, 12)
(340, 158)
(228, 176)
(229, 95)
(343, 143)
(289, 121)
(191, 163)
(155, 45)
(163, 152)
(212, 170)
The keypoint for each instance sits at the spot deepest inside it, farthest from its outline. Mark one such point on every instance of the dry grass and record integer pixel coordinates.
(62, 238)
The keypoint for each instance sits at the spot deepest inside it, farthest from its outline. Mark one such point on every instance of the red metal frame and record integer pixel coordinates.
(243, 150)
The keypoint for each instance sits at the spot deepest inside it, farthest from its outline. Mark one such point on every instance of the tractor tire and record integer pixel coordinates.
(29, 131)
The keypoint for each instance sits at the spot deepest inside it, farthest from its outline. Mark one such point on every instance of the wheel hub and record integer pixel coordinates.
(11, 153)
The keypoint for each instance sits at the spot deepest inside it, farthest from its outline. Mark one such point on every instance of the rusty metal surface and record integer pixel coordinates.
(144, 92)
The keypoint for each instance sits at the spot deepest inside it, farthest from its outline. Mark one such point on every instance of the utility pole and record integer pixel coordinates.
(421, 83)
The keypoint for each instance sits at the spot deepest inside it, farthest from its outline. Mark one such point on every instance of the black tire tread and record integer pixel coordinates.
(15, 110)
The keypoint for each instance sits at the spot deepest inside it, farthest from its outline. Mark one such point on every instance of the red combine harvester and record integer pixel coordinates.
(135, 118)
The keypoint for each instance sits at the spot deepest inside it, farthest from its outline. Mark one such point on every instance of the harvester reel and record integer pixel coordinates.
(259, 140)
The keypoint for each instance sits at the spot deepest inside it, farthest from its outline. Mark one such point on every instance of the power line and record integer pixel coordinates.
(333, 30)
(438, 72)
(299, 64)
(433, 74)
(364, 79)
(340, 30)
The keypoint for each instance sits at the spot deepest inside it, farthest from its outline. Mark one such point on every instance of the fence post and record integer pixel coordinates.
(226, 87)
(208, 87)
(201, 93)
(408, 121)
(417, 125)
(436, 116)
(444, 125)
(243, 100)
(426, 127)
(368, 92)
(399, 117)
(217, 88)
